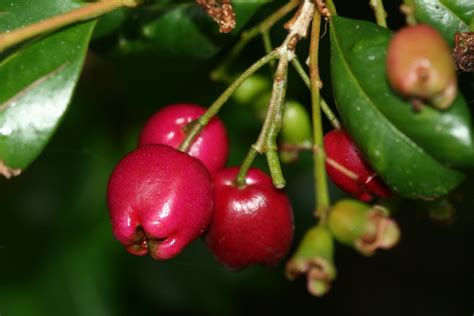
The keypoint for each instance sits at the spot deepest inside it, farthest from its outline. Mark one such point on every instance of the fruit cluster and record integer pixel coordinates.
(160, 199)
(165, 194)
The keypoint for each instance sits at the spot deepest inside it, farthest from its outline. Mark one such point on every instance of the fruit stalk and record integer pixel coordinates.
(324, 106)
(246, 36)
(266, 142)
(219, 102)
(322, 196)
(87, 12)
(380, 13)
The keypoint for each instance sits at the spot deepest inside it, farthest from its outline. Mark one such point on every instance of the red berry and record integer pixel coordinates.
(252, 224)
(159, 199)
(167, 126)
(341, 149)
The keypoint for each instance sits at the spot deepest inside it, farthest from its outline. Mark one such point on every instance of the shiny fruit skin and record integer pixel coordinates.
(252, 224)
(159, 200)
(167, 126)
(340, 148)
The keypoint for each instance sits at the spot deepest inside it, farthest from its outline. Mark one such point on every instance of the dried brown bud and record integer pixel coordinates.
(464, 51)
(220, 11)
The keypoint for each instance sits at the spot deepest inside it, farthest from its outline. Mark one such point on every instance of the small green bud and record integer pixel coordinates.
(314, 257)
(362, 226)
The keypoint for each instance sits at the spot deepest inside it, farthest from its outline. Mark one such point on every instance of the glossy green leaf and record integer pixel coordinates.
(446, 135)
(110, 23)
(184, 30)
(37, 81)
(447, 16)
(406, 148)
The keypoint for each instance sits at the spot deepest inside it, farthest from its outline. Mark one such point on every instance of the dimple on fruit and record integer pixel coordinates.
(168, 126)
(342, 152)
(252, 224)
(420, 66)
(159, 200)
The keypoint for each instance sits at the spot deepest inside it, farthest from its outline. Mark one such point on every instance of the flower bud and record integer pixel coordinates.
(420, 66)
(314, 257)
(362, 226)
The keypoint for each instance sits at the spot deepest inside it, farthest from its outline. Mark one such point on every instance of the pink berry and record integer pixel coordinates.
(167, 126)
(341, 149)
(251, 225)
(159, 199)
(420, 66)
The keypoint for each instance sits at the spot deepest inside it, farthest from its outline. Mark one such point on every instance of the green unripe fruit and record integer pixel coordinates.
(314, 257)
(362, 226)
(296, 130)
(251, 89)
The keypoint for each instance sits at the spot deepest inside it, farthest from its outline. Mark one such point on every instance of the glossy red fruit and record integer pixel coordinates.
(420, 66)
(159, 199)
(167, 126)
(251, 225)
(340, 148)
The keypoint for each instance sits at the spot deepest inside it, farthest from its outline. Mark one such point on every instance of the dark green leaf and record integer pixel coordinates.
(447, 16)
(37, 82)
(184, 30)
(404, 147)
(110, 23)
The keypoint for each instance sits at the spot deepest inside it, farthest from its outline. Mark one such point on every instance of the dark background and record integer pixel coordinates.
(58, 256)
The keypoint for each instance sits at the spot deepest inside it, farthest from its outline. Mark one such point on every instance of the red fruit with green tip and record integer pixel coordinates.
(159, 200)
(252, 224)
(168, 125)
(342, 152)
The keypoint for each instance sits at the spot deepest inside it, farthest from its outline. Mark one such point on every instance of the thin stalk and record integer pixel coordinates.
(321, 187)
(277, 103)
(245, 167)
(266, 141)
(198, 125)
(380, 13)
(267, 44)
(315, 150)
(331, 7)
(324, 106)
(87, 12)
(246, 36)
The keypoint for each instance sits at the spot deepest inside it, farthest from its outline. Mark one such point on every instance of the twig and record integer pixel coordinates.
(321, 187)
(87, 12)
(324, 106)
(380, 13)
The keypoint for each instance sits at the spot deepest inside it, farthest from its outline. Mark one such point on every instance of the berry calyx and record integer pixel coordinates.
(365, 183)
(362, 226)
(314, 258)
(168, 126)
(420, 66)
(252, 224)
(159, 200)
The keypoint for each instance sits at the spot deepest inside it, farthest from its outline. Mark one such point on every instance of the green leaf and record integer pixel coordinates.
(37, 82)
(447, 16)
(184, 30)
(406, 148)
(109, 23)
